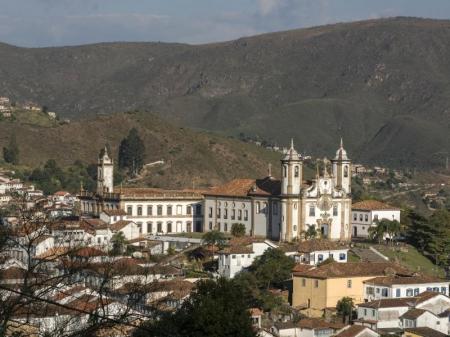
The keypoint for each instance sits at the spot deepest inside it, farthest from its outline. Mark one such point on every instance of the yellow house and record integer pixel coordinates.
(317, 288)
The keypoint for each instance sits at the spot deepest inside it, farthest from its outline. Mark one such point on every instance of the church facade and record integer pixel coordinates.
(280, 209)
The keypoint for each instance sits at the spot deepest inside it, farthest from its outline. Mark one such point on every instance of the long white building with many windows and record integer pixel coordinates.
(277, 209)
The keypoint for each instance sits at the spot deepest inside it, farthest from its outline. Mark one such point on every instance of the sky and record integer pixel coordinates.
(38, 23)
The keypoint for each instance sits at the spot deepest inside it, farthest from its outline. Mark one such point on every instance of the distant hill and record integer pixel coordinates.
(384, 85)
(191, 158)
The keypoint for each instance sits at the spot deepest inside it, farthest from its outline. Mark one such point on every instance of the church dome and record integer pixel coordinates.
(291, 154)
(341, 154)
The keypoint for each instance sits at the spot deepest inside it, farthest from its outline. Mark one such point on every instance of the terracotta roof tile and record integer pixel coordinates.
(319, 245)
(425, 332)
(114, 212)
(372, 205)
(352, 331)
(246, 187)
(413, 313)
(413, 279)
(117, 226)
(353, 269)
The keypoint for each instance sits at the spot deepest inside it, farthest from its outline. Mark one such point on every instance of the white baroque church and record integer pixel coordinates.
(277, 209)
(325, 204)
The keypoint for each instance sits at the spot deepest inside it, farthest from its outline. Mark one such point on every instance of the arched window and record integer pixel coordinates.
(284, 171)
(345, 171)
(296, 171)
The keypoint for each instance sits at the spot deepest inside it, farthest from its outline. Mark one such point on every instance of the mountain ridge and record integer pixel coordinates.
(314, 84)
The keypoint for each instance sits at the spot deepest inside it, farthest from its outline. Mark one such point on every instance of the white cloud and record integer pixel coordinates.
(268, 6)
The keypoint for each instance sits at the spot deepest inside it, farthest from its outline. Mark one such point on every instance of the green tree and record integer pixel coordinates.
(214, 238)
(344, 308)
(439, 245)
(11, 152)
(272, 268)
(132, 153)
(118, 243)
(310, 233)
(238, 229)
(216, 309)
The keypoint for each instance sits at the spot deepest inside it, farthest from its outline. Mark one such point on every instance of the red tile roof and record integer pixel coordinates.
(353, 269)
(247, 187)
(413, 279)
(426, 332)
(413, 313)
(372, 205)
(309, 246)
(352, 331)
(114, 212)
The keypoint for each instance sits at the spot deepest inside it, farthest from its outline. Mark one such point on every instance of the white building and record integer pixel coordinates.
(403, 286)
(153, 210)
(240, 255)
(389, 315)
(366, 213)
(306, 327)
(313, 252)
(251, 202)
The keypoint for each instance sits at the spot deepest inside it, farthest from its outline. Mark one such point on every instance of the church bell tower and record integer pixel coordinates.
(342, 169)
(105, 173)
(291, 181)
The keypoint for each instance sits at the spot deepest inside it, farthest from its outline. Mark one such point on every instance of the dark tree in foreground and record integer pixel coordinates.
(216, 309)
(11, 152)
(238, 229)
(131, 153)
(345, 308)
(272, 268)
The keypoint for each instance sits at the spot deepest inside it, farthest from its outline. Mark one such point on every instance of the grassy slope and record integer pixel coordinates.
(191, 156)
(412, 259)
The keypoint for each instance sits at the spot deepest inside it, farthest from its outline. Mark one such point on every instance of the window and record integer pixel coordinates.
(416, 291)
(345, 171)
(258, 207)
(397, 292)
(349, 283)
(169, 227)
(285, 171)
(210, 226)
(312, 211)
(335, 210)
(198, 209)
(355, 217)
(225, 227)
(320, 257)
(369, 290)
(210, 212)
(169, 210)
(245, 215)
(444, 290)
(265, 208)
(149, 227)
(218, 226)
(189, 210)
(225, 213)
(303, 282)
(139, 224)
(375, 217)
(378, 290)
(233, 214)
(233, 256)
(139, 210)
(409, 292)
(159, 227)
(130, 210)
(342, 256)
(150, 210)
(275, 208)
(179, 209)
(296, 172)
(239, 214)
(384, 292)
(218, 213)
(189, 227)
(366, 217)
(436, 289)
(316, 283)
(360, 217)
(159, 210)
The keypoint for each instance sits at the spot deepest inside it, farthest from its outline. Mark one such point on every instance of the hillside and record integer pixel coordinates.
(384, 85)
(192, 158)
